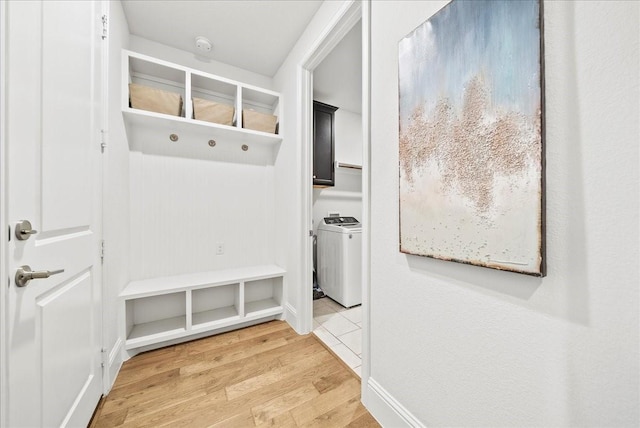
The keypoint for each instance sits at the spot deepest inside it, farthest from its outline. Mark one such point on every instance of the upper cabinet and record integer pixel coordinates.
(323, 144)
(174, 110)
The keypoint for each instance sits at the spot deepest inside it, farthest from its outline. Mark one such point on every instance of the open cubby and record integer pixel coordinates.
(167, 135)
(155, 317)
(260, 101)
(147, 73)
(214, 305)
(173, 307)
(262, 296)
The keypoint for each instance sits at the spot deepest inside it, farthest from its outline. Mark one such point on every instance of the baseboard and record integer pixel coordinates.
(291, 317)
(114, 364)
(386, 409)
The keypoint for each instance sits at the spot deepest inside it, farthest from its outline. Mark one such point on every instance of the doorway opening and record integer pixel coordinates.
(323, 78)
(337, 261)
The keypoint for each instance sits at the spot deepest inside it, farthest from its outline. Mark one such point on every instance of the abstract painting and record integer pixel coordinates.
(471, 136)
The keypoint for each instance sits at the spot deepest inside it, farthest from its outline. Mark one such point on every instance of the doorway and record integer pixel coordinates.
(350, 15)
(337, 261)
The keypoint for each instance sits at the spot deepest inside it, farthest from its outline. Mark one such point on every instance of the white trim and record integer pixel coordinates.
(366, 194)
(115, 351)
(290, 311)
(104, 129)
(341, 23)
(386, 409)
(114, 364)
(290, 315)
(3, 218)
(305, 303)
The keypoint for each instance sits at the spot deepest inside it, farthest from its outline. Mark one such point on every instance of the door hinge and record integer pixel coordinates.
(102, 252)
(103, 351)
(104, 27)
(103, 140)
(311, 232)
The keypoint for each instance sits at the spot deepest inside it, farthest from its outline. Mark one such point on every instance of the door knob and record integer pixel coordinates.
(24, 274)
(24, 230)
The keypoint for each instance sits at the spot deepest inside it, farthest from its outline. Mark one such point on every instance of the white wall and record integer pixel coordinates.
(344, 198)
(116, 196)
(181, 207)
(459, 345)
(348, 136)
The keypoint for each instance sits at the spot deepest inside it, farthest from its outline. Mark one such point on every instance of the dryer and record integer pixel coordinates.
(340, 259)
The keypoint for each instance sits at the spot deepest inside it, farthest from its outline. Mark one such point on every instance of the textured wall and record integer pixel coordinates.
(459, 345)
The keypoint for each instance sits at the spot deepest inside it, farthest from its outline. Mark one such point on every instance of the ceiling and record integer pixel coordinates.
(252, 35)
(255, 35)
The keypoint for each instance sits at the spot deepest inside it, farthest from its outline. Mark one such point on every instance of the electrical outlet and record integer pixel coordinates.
(220, 248)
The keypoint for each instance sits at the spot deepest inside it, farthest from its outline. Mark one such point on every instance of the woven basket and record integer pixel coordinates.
(211, 111)
(155, 100)
(259, 121)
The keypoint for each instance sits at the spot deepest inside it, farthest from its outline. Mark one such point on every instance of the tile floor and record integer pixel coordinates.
(340, 329)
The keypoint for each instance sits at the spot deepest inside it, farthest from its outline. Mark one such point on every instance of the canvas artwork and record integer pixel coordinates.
(471, 136)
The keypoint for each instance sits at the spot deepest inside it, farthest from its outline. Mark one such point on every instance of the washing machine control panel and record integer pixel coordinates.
(341, 220)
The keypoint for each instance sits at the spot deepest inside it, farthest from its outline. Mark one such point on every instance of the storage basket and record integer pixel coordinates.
(259, 121)
(211, 111)
(155, 100)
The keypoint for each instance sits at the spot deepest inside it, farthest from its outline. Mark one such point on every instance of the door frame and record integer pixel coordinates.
(341, 23)
(105, 10)
(3, 216)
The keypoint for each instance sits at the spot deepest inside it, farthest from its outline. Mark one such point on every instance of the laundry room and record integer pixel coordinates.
(337, 199)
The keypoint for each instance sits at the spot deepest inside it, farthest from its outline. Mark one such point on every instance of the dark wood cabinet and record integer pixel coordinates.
(323, 144)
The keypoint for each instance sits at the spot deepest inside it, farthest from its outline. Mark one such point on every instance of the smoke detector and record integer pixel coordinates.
(203, 44)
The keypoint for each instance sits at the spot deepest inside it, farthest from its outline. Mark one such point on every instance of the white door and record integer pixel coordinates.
(53, 168)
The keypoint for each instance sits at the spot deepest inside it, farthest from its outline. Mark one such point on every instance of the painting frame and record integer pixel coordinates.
(472, 161)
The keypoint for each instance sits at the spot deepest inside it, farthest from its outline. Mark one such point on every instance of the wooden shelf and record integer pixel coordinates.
(149, 132)
(241, 295)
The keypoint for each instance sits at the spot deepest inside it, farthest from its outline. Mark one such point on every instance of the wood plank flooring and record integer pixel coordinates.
(265, 375)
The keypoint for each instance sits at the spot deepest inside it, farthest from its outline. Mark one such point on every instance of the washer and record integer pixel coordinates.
(340, 259)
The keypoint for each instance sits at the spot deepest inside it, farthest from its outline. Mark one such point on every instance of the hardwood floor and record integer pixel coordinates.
(265, 375)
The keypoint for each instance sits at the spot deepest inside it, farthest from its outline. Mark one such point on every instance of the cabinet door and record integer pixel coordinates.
(323, 144)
